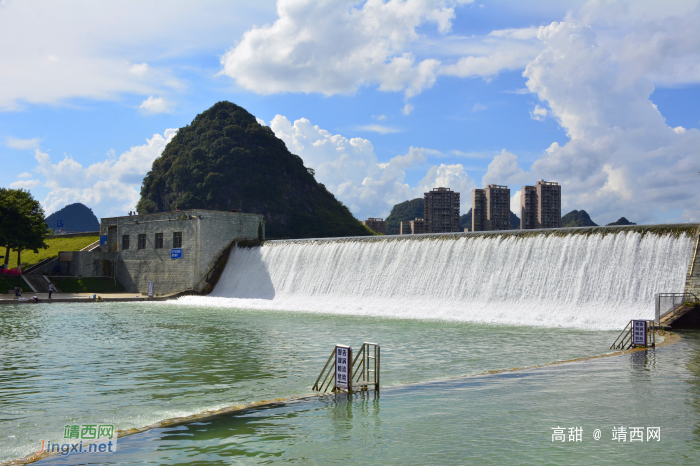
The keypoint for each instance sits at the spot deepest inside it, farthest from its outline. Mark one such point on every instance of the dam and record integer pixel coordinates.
(596, 278)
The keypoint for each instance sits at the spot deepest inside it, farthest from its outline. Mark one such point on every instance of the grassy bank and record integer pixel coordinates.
(75, 243)
(88, 285)
(9, 283)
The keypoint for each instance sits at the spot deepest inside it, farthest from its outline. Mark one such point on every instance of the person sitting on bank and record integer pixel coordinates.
(35, 299)
(50, 289)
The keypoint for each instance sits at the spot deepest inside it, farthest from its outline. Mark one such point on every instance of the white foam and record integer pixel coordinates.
(596, 281)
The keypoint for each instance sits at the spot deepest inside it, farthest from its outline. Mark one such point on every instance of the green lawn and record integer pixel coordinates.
(9, 283)
(88, 285)
(75, 243)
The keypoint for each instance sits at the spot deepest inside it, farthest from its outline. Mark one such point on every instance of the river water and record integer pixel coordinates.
(439, 313)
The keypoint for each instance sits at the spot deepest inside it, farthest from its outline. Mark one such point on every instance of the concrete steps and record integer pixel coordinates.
(38, 282)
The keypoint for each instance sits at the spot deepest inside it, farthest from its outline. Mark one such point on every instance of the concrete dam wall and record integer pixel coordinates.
(596, 278)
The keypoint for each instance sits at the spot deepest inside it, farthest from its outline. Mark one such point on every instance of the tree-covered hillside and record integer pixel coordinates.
(226, 160)
(76, 217)
(403, 212)
(465, 221)
(577, 218)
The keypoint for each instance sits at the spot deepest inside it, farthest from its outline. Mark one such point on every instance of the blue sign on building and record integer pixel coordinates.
(103, 240)
(176, 253)
(59, 223)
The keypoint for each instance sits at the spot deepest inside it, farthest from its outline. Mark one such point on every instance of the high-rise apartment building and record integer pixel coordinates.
(442, 210)
(377, 225)
(491, 208)
(414, 227)
(478, 209)
(540, 205)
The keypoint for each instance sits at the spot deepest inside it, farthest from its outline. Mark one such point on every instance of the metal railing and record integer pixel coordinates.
(667, 304)
(363, 372)
(625, 339)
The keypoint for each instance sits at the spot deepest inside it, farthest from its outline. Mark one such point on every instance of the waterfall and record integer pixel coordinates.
(595, 280)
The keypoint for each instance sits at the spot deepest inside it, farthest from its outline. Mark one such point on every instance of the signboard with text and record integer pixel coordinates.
(103, 240)
(343, 365)
(639, 332)
(150, 289)
(176, 253)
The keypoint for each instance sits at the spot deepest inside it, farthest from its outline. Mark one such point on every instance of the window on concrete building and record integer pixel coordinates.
(159, 240)
(177, 239)
(125, 241)
(142, 241)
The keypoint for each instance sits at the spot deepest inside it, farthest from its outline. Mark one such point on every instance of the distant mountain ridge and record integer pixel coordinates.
(621, 221)
(76, 217)
(577, 218)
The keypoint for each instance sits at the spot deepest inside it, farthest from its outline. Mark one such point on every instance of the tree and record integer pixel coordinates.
(22, 224)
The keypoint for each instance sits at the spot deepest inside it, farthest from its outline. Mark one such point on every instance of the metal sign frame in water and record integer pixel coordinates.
(639, 333)
(362, 370)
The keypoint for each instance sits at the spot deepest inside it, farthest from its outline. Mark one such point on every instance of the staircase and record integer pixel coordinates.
(37, 282)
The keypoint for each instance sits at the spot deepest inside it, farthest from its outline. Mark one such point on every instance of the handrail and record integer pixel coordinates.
(682, 299)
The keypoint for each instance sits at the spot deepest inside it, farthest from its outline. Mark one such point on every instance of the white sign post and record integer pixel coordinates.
(343, 367)
(639, 335)
(150, 289)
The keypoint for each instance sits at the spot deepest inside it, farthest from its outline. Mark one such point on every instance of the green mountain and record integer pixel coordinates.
(577, 218)
(621, 221)
(226, 160)
(75, 217)
(465, 221)
(405, 211)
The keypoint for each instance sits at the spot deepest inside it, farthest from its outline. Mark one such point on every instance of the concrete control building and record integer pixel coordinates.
(377, 225)
(540, 206)
(441, 210)
(175, 250)
(491, 208)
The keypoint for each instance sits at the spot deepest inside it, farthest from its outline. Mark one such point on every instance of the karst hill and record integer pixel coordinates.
(226, 160)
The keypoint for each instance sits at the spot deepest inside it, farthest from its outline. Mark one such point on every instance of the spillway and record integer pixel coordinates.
(581, 278)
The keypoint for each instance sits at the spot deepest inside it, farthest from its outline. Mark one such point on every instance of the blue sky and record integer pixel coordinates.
(384, 99)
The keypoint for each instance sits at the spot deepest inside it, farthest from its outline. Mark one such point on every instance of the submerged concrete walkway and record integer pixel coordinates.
(84, 297)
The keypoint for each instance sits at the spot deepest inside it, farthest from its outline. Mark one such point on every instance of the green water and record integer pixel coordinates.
(135, 364)
(495, 419)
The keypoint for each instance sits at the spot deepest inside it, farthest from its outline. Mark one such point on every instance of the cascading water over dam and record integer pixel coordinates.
(586, 279)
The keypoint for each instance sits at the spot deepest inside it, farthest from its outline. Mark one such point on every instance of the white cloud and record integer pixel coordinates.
(24, 175)
(407, 109)
(379, 117)
(454, 177)
(505, 170)
(155, 105)
(260, 121)
(381, 129)
(622, 158)
(16, 143)
(478, 107)
(24, 184)
(110, 187)
(539, 113)
(51, 52)
(337, 47)
(349, 168)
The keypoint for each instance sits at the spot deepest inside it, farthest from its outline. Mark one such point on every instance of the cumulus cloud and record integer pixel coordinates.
(16, 143)
(155, 105)
(622, 158)
(24, 175)
(349, 168)
(337, 47)
(111, 186)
